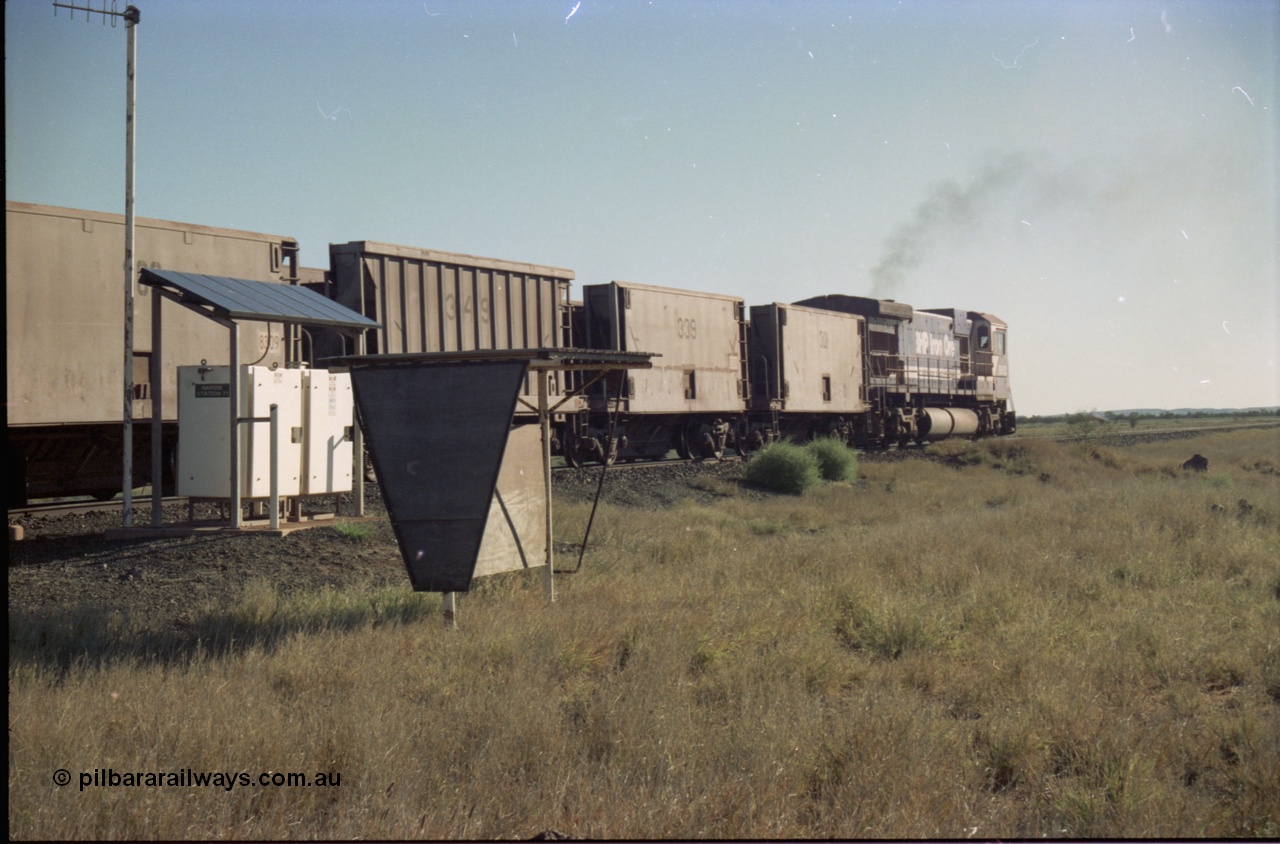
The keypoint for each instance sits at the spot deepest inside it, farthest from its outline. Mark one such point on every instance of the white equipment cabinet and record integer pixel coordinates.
(204, 433)
(329, 411)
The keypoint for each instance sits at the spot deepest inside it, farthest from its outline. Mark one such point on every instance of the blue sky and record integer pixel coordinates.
(1101, 175)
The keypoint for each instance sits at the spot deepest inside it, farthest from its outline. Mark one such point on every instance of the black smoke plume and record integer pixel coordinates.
(949, 209)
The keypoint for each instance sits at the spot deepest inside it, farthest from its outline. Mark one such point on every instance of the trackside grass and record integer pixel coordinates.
(1012, 640)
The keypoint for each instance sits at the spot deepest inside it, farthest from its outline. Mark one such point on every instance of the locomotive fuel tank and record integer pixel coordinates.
(937, 423)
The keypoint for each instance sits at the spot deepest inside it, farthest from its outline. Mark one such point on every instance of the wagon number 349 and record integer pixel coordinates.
(451, 307)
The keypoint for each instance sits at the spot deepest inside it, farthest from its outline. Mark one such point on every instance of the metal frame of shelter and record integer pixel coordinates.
(227, 301)
(465, 394)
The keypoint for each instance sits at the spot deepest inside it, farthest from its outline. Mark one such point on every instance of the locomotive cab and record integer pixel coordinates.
(990, 364)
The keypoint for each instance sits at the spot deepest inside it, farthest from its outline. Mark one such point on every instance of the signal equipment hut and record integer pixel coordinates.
(228, 301)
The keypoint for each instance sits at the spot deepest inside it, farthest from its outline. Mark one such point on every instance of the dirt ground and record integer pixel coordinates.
(64, 562)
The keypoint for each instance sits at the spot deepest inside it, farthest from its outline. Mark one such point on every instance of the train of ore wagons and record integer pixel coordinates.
(725, 376)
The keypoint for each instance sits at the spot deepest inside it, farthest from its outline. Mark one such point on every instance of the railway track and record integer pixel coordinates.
(75, 508)
(645, 464)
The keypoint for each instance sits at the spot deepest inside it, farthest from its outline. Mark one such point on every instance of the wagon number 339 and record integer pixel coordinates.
(687, 328)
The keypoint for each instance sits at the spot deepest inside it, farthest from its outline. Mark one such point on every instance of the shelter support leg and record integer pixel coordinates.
(544, 419)
(357, 434)
(449, 603)
(157, 411)
(234, 469)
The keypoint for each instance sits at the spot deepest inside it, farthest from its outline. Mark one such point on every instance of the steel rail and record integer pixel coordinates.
(66, 508)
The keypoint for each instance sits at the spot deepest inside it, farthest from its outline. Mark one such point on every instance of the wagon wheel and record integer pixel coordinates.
(716, 450)
(572, 456)
(695, 443)
(683, 442)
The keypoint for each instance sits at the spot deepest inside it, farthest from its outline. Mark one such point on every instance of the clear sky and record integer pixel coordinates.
(1100, 175)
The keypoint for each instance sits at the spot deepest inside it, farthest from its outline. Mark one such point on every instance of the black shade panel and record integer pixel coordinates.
(437, 435)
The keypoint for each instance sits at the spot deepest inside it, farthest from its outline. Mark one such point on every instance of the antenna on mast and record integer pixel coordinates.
(89, 11)
(131, 17)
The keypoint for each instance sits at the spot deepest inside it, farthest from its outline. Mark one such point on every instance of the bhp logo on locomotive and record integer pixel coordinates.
(935, 345)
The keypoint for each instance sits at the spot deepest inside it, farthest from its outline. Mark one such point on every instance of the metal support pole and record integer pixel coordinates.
(544, 419)
(131, 21)
(235, 427)
(275, 467)
(358, 444)
(450, 604)
(157, 410)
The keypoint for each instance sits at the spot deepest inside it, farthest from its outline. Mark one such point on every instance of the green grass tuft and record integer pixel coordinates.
(836, 461)
(784, 467)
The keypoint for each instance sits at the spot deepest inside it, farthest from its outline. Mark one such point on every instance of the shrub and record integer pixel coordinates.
(784, 467)
(836, 461)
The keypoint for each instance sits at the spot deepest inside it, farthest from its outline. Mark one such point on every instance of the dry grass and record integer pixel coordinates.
(1029, 640)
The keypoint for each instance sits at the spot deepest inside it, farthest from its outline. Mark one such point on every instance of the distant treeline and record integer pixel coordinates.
(1132, 416)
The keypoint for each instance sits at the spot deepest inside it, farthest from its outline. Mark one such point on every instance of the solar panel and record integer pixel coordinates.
(239, 298)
